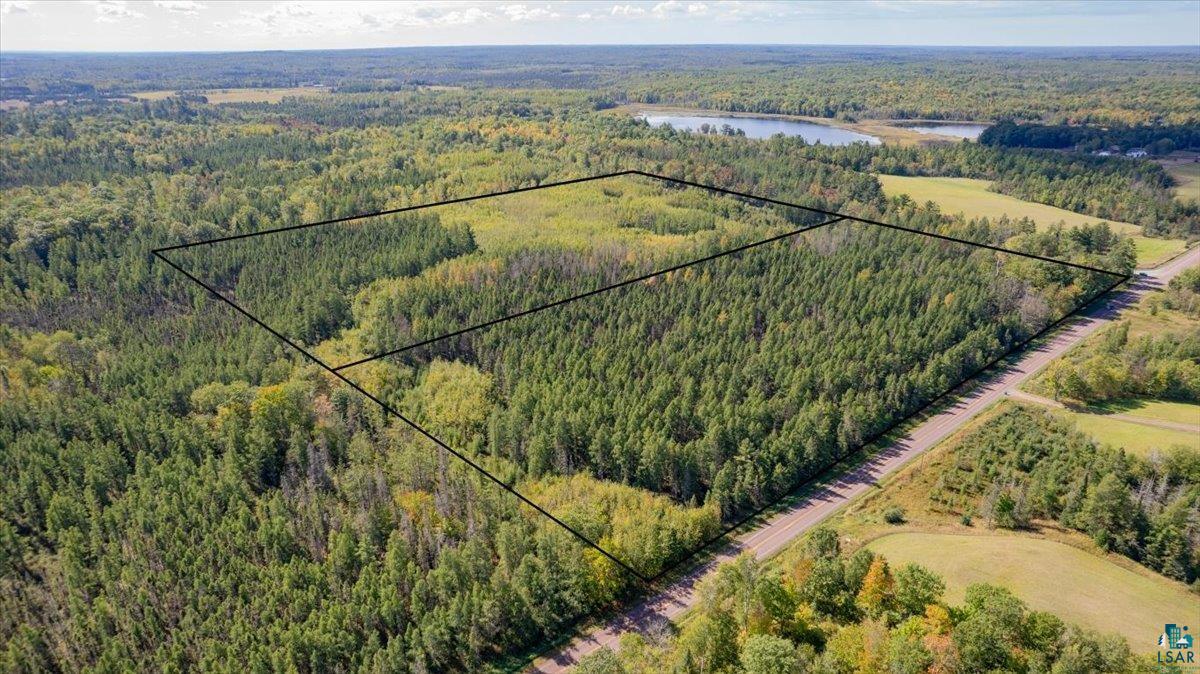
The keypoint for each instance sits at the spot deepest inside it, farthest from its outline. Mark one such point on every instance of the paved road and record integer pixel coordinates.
(775, 534)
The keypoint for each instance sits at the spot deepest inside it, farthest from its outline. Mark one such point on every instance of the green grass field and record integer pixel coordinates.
(1143, 322)
(1079, 587)
(1153, 252)
(972, 198)
(1162, 410)
(1134, 438)
(587, 215)
(264, 95)
(1187, 175)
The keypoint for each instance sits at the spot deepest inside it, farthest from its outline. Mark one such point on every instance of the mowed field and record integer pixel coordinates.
(1162, 410)
(1135, 438)
(1117, 424)
(215, 96)
(1186, 172)
(972, 198)
(1077, 586)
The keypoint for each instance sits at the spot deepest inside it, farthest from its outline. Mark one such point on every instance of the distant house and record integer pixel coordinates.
(1103, 153)
(1137, 152)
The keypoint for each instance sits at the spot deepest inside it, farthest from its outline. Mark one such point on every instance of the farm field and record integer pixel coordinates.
(243, 95)
(972, 198)
(1116, 423)
(1186, 172)
(1136, 438)
(1161, 410)
(1050, 576)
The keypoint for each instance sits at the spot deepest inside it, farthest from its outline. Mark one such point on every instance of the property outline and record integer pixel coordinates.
(649, 581)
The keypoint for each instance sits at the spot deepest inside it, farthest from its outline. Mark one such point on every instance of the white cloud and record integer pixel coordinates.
(14, 7)
(459, 18)
(188, 7)
(669, 7)
(527, 13)
(627, 10)
(677, 8)
(115, 11)
(299, 19)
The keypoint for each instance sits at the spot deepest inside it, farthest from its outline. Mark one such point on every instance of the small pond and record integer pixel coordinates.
(763, 127)
(957, 129)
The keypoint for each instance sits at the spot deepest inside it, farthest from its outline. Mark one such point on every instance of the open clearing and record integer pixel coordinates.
(1133, 437)
(1103, 424)
(216, 96)
(1143, 322)
(1049, 576)
(1188, 176)
(972, 198)
(1185, 169)
(581, 217)
(1161, 410)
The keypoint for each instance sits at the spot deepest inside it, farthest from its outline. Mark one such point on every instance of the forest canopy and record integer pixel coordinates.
(721, 385)
(183, 491)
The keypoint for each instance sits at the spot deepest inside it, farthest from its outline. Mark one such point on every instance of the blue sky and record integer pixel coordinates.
(173, 25)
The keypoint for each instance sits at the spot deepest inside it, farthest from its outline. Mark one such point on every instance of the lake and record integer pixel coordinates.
(762, 127)
(958, 130)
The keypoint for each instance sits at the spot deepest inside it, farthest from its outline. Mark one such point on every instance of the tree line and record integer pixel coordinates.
(829, 611)
(1026, 464)
(1155, 139)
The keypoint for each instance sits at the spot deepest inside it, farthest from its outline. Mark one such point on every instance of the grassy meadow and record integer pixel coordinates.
(1160, 410)
(1099, 421)
(1050, 576)
(1140, 439)
(1186, 172)
(1048, 566)
(216, 96)
(587, 215)
(972, 198)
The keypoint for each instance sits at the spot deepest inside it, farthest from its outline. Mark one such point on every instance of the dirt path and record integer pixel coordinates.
(1018, 394)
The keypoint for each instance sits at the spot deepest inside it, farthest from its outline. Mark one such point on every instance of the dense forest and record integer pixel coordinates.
(823, 341)
(729, 382)
(1128, 86)
(182, 491)
(1158, 139)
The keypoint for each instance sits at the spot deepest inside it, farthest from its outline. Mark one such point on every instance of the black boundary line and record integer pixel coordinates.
(838, 217)
(403, 418)
(743, 195)
(597, 291)
(653, 582)
(874, 222)
(390, 211)
(821, 473)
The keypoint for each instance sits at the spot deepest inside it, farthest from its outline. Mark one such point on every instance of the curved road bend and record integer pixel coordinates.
(774, 535)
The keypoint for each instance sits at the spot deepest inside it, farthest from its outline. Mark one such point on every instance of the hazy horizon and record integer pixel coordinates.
(599, 45)
(191, 26)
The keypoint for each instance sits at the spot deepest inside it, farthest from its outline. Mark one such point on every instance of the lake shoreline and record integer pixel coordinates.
(886, 130)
